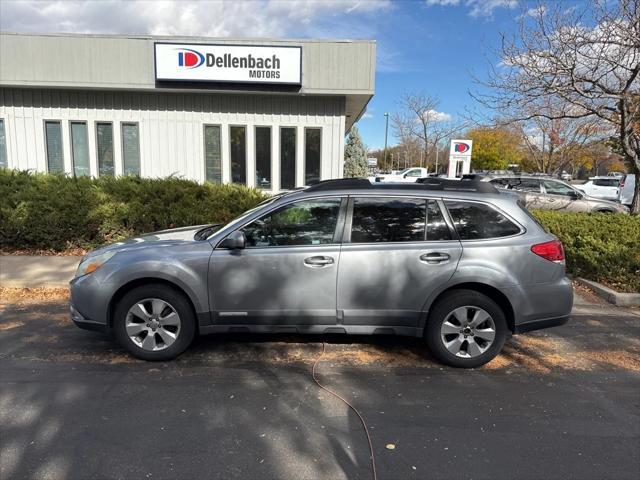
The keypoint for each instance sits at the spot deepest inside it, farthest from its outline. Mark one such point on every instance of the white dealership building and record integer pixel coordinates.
(266, 113)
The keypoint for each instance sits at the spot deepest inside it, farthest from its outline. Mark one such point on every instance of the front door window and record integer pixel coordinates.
(308, 222)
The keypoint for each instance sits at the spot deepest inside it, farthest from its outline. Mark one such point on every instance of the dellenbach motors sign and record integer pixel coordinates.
(228, 63)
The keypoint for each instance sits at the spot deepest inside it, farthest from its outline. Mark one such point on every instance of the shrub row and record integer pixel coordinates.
(599, 246)
(55, 212)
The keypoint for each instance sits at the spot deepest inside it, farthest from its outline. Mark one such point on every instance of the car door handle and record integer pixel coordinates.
(319, 261)
(435, 257)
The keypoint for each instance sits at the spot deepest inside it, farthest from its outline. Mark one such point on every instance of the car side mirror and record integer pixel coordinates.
(234, 241)
(575, 196)
(405, 175)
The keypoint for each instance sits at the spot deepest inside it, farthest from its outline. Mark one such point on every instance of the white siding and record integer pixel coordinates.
(171, 127)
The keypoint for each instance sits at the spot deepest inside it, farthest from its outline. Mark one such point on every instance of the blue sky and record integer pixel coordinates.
(428, 45)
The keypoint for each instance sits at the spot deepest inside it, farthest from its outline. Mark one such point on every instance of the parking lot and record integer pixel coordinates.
(559, 403)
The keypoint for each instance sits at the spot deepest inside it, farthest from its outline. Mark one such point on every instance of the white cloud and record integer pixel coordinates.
(477, 8)
(366, 115)
(436, 116)
(443, 3)
(259, 18)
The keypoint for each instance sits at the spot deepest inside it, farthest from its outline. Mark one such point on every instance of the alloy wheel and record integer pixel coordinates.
(468, 331)
(152, 324)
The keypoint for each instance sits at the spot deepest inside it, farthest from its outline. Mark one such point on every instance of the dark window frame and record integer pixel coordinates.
(255, 156)
(46, 143)
(73, 158)
(204, 152)
(3, 122)
(295, 156)
(305, 154)
(124, 160)
(246, 156)
(113, 146)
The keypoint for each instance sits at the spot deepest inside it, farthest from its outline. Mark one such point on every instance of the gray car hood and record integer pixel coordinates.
(154, 239)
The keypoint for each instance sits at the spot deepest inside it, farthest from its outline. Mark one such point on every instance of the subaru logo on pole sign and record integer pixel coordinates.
(461, 147)
(459, 158)
(228, 63)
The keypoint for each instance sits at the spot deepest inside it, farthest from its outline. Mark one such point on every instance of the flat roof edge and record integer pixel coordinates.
(187, 37)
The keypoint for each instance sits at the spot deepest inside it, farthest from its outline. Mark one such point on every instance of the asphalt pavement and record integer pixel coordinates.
(562, 403)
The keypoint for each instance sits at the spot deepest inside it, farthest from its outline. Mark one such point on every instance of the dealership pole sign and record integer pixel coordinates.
(459, 158)
(228, 63)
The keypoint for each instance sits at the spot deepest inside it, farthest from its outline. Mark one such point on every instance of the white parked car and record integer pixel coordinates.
(408, 175)
(601, 187)
(627, 185)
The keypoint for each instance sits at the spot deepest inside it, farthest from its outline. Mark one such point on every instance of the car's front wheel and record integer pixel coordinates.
(154, 322)
(466, 329)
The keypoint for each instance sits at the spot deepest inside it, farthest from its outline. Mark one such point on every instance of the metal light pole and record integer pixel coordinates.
(437, 152)
(386, 132)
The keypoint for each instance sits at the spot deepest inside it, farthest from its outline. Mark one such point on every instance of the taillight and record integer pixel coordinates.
(551, 251)
(622, 182)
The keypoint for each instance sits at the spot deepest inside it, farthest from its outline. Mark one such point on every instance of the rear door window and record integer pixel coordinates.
(474, 221)
(376, 220)
(388, 220)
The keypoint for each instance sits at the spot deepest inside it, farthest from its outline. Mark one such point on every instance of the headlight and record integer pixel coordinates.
(91, 264)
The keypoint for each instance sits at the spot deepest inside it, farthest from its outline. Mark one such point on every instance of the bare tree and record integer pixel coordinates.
(587, 61)
(550, 143)
(418, 119)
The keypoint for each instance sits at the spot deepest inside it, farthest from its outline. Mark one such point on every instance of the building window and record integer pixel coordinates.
(287, 157)
(312, 140)
(212, 154)
(131, 148)
(263, 157)
(80, 149)
(104, 134)
(55, 156)
(238, 141)
(3, 146)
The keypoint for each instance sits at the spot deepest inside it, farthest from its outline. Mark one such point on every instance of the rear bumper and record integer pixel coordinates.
(540, 324)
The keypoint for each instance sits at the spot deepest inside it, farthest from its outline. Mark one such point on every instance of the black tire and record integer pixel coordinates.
(176, 300)
(441, 311)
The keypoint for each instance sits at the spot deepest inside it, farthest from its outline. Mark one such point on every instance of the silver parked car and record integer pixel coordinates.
(457, 263)
(550, 194)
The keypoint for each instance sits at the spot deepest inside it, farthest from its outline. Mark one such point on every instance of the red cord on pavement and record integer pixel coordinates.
(364, 425)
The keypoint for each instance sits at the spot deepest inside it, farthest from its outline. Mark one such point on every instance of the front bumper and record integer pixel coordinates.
(85, 323)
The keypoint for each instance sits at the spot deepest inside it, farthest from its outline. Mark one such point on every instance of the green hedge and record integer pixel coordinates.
(55, 212)
(599, 246)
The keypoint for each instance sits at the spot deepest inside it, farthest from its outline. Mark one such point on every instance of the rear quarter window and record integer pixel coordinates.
(475, 221)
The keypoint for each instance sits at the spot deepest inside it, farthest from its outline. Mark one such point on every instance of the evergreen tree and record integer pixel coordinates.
(355, 155)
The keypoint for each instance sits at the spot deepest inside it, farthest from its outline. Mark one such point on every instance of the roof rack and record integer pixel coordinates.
(457, 185)
(428, 183)
(339, 183)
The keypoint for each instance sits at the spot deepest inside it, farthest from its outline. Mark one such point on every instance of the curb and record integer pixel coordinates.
(611, 296)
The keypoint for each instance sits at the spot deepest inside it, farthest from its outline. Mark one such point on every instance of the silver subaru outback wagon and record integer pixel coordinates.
(456, 263)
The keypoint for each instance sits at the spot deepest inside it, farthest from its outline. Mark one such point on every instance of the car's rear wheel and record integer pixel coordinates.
(154, 322)
(466, 329)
